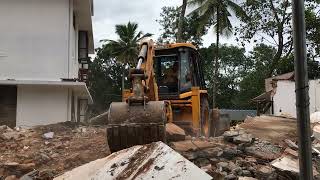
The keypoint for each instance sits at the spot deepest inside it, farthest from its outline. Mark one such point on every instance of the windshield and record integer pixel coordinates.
(167, 69)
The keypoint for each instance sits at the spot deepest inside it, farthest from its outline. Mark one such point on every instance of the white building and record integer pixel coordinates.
(44, 45)
(280, 94)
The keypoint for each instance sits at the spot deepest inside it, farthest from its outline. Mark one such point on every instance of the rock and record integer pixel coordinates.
(213, 161)
(246, 178)
(291, 152)
(228, 135)
(243, 138)
(174, 132)
(246, 173)
(10, 135)
(55, 155)
(291, 144)
(231, 166)
(206, 168)
(229, 153)
(230, 177)
(5, 128)
(264, 172)
(222, 166)
(217, 175)
(213, 152)
(48, 135)
(12, 177)
(263, 151)
(200, 162)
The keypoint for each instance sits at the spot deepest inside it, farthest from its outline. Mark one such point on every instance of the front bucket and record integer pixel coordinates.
(136, 124)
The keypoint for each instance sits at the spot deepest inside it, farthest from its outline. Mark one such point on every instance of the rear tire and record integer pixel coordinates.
(205, 121)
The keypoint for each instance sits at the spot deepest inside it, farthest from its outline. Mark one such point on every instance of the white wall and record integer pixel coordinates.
(285, 98)
(39, 105)
(35, 39)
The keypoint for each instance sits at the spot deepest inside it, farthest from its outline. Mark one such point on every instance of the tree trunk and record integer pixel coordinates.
(180, 23)
(216, 63)
(277, 56)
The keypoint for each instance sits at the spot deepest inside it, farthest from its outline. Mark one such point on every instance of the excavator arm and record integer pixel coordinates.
(141, 118)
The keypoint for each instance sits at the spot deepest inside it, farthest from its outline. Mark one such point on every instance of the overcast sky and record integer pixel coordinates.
(108, 13)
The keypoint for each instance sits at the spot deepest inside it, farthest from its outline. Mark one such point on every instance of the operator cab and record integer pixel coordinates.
(177, 70)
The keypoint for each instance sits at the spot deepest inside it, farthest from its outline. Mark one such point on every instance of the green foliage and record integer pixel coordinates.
(126, 48)
(233, 66)
(108, 67)
(192, 31)
(218, 12)
(104, 83)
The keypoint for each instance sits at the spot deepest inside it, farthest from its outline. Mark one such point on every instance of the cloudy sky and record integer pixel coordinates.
(108, 13)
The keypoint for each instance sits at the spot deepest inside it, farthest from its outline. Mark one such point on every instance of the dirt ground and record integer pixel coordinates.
(71, 146)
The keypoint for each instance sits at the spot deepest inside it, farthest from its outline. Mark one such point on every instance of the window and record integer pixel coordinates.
(167, 72)
(83, 45)
(185, 73)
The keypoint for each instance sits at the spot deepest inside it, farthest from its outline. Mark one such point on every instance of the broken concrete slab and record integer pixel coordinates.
(139, 162)
(174, 133)
(272, 128)
(291, 144)
(290, 164)
(291, 152)
(191, 145)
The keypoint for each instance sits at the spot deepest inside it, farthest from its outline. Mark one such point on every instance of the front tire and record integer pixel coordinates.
(205, 123)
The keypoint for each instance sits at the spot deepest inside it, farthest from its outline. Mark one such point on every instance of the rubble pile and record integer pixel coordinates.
(46, 151)
(238, 154)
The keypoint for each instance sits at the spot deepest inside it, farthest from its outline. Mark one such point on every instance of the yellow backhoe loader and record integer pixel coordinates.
(167, 85)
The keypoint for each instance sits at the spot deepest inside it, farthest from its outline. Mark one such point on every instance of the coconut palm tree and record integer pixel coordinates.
(126, 48)
(220, 12)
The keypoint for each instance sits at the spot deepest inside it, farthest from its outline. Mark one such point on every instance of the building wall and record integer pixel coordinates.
(39, 105)
(285, 98)
(37, 40)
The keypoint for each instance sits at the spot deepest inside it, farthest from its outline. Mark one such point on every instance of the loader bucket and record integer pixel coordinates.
(135, 124)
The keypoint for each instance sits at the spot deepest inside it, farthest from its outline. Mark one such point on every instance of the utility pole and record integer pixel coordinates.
(302, 89)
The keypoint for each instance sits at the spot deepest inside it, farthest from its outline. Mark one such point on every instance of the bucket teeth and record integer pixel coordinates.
(124, 136)
(135, 125)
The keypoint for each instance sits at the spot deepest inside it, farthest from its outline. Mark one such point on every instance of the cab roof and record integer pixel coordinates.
(174, 45)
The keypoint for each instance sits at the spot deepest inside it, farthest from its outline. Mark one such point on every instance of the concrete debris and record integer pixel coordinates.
(291, 144)
(246, 178)
(260, 148)
(315, 117)
(139, 162)
(48, 135)
(274, 129)
(10, 135)
(316, 131)
(174, 133)
(243, 138)
(188, 145)
(290, 164)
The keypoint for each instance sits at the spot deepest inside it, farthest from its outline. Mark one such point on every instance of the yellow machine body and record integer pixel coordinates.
(154, 101)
